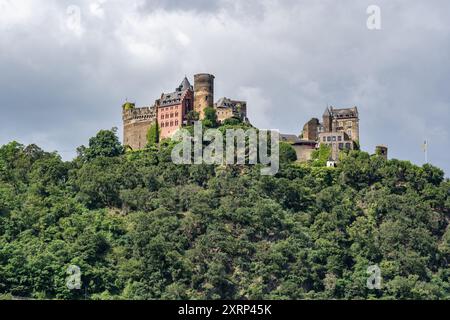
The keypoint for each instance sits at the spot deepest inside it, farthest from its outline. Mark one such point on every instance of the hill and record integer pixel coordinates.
(140, 227)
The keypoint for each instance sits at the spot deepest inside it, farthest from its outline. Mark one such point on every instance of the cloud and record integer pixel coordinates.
(61, 81)
(181, 5)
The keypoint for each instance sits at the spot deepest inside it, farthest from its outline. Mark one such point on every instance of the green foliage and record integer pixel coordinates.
(128, 106)
(104, 144)
(140, 227)
(287, 152)
(232, 121)
(153, 135)
(210, 120)
(321, 156)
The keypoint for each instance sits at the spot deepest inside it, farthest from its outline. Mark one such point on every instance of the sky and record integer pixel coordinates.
(66, 67)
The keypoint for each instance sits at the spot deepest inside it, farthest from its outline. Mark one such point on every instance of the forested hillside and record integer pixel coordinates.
(141, 227)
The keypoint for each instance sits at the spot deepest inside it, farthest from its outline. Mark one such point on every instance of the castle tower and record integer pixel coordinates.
(327, 121)
(136, 122)
(382, 151)
(203, 92)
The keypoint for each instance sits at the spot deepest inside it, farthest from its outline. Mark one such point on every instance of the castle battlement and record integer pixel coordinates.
(139, 114)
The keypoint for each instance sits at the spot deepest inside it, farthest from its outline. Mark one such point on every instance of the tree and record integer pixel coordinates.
(321, 156)
(104, 144)
(232, 121)
(141, 227)
(153, 134)
(210, 120)
(287, 152)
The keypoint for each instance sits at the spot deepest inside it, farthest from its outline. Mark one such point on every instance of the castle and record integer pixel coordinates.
(177, 109)
(338, 130)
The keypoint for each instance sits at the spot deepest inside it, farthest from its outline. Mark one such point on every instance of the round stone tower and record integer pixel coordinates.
(203, 92)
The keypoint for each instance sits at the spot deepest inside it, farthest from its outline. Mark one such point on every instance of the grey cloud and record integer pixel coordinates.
(288, 58)
(194, 5)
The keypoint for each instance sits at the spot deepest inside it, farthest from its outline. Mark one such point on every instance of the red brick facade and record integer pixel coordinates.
(171, 117)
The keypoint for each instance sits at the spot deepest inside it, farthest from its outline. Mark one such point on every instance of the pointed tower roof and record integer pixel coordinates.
(185, 84)
(327, 112)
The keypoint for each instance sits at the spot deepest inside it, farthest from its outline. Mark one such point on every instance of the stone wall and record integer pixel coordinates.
(350, 126)
(223, 114)
(304, 151)
(310, 130)
(136, 123)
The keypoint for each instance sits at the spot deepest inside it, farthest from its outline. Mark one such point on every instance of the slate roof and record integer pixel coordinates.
(344, 113)
(292, 138)
(170, 99)
(228, 103)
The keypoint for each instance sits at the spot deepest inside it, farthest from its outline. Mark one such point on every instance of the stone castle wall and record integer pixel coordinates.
(136, 123)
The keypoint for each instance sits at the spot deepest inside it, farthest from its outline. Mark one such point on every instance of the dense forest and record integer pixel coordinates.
(141, 227)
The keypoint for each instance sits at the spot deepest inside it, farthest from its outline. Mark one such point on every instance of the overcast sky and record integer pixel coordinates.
(61, 82)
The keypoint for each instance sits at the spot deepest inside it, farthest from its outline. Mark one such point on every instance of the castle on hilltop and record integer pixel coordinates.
(338, 130)
(177, 109)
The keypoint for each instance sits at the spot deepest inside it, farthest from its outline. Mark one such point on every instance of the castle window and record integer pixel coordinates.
(341, 146)
(171, 123)
(176, 114)
(348, 146)
(334, 138)
(171, 115)
(167, 124)
(324, 139)
(328, 138)
(176, 122)
(162, 124)
(349, 132)
(339, 138)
